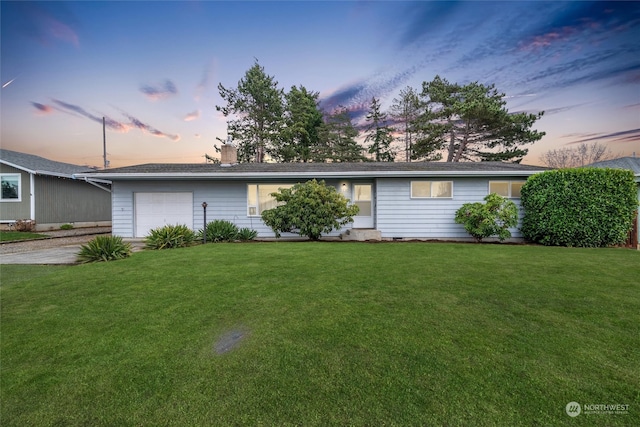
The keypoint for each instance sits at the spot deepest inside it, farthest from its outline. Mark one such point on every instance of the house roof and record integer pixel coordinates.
(631, 163)
(313, 170)
(39, 165)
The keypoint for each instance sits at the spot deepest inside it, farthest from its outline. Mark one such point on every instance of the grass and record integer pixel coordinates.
(327, 334)
(8, 236)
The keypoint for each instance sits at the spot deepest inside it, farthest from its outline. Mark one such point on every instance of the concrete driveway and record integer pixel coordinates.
(61, 247)
(59, 255)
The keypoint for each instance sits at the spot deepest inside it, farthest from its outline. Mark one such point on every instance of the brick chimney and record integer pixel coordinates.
(228, 155)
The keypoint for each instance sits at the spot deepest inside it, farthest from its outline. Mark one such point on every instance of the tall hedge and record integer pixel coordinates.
(579, 207)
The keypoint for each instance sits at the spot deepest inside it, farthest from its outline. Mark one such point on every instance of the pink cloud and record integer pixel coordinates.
(151, 130)
(77, 110)
(192, 116)
(545, 40)
(61, 31)
(42, 108)
(160, 91)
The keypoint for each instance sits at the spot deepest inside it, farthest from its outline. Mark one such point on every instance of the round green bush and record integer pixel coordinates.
(309, 209)
(587, 207)
(492, 218)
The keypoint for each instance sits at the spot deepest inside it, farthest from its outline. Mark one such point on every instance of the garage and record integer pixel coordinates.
(153, 210)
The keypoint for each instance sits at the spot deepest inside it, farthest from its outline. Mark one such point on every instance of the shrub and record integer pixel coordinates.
(587, 207)
(104, 248)
(246, 234)
(66, 227)
(492, 218)
(221, 231)
(170, 236)
(309, 209)
(25, 225)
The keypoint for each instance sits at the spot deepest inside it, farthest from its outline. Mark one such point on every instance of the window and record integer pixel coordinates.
(362, 199)
(506, 188)
(11, 189)
(431, 189)
(259, 197)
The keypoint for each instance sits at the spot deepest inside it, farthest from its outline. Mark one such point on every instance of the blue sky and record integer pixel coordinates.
(152, 68)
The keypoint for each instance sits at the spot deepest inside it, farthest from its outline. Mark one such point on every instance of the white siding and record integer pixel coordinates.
(400, 216)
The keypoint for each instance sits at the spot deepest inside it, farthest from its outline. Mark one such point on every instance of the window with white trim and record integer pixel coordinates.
(259, 198)
(431, 189)
(11, 187)
(510, 189)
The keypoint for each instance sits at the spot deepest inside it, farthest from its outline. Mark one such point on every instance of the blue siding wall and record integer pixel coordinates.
(397, 215)
(402, 217)
(225, 200)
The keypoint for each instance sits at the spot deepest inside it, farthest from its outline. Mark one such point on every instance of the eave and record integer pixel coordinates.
(303, 175)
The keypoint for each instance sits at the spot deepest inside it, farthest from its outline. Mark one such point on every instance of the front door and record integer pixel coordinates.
(362, 197)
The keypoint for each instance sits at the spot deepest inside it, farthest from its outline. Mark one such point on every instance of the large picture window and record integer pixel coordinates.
(259, 198)
(11, 188)
(509, 189)
(431, 189)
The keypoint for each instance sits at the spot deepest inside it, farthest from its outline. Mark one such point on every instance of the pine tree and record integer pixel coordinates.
(405, 110)
(338, 139)
(303, 121)
(470, 123)
(256, 108)
(378, 133)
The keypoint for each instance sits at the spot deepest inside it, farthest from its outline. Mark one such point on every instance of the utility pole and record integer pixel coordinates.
(104, 143)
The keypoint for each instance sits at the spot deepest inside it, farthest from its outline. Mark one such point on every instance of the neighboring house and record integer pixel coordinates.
(633, 164)
(396, 200)
(45, 191)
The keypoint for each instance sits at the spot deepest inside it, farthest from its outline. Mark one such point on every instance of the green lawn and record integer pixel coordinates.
(324, 334)
(7, 236)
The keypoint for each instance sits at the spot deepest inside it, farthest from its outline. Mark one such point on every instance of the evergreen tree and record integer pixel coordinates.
(379, 133)
(303, 121)
(256, 106)
(405, 110)
(338, 139)
(337, 142)
(471, 123)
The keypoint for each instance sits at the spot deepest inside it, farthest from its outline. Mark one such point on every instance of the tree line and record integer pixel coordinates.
(443, 121)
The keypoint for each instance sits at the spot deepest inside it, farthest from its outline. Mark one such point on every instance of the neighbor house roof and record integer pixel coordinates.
(39, 165)
(313, 170)
(631, 163)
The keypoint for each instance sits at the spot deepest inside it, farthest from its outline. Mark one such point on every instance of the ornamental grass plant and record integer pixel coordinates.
(104, 248)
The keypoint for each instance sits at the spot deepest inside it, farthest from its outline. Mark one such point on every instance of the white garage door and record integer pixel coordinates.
(155, 210)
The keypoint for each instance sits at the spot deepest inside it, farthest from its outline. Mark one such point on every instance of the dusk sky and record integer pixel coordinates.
(152, 68)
